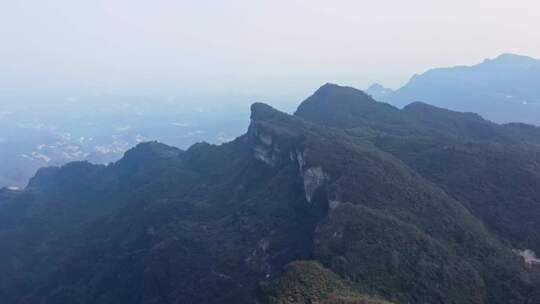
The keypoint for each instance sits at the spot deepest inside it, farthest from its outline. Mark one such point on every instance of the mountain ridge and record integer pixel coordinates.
(502, 89)
(314, 207)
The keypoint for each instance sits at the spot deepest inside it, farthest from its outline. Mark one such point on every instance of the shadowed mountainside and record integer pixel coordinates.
(348, 201)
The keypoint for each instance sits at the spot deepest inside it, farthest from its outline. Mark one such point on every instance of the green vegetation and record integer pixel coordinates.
(309, 282)
(349, 201)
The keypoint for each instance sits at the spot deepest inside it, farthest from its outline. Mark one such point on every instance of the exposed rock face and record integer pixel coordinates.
(333, 204)
(276, 149)
(263, 148)
(314, 178)
(265, 155)
(300, 158)
(529, 256)
(268, 150)
(219, 224)
(266, 139)
(334, 196)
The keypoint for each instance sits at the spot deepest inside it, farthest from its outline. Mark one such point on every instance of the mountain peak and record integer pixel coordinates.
(220, 223)
(148, 151)
(513, 60)
(511, 56)
(331, 88)
(262, 111)
(335, 96)
(344, 107)
(378, 92)
(375, 86)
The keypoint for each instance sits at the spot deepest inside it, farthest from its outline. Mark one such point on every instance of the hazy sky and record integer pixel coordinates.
(271, 49)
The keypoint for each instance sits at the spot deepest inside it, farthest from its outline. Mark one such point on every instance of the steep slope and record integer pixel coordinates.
(491, 169)
(161, 227)
(504, 89)
(219, 224)
(496, 181)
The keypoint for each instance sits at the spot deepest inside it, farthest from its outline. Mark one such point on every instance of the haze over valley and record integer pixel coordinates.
(101, 129)
(101, 133)
(269, 152)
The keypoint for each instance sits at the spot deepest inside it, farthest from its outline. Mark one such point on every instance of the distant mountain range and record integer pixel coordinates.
(504, 89)
(349, 200)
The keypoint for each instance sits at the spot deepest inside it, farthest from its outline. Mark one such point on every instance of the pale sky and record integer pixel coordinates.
(270, 49)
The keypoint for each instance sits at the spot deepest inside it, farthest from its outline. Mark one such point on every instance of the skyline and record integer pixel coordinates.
(246, 49)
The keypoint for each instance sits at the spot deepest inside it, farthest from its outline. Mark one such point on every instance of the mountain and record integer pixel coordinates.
(378, 92)
(482, 164)
(504, 89)
(347, 201)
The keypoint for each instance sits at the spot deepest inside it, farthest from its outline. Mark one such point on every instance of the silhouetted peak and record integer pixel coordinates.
(512, 60)
(199, 146)
(150, 151)
(331, 97)
(344, 107)
(418, 105)
(378, 91)
(514, 57)
(262, 111)
(329, 86)
(330, 89)
(427, 109)
(376, 86)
